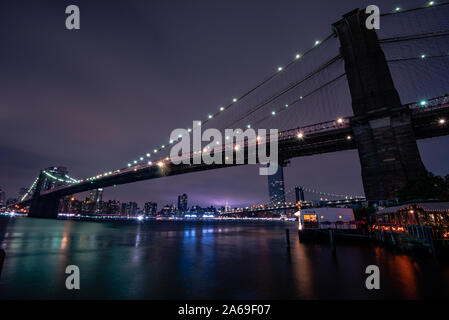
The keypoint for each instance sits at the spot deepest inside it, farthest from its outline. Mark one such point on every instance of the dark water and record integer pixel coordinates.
(182, 260)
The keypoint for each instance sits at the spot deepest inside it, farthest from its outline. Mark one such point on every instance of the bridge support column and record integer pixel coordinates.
(43, 206)
(382, 127)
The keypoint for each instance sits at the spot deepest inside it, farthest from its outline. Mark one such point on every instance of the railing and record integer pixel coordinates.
(282, 136)
(300, 132)
(432, 104)
(339, 225)
(388, 227)
(319, 127)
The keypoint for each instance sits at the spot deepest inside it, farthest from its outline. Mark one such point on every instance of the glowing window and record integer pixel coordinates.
(310, 218)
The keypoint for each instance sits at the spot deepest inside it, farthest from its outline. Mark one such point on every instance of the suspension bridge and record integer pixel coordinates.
(357, 72)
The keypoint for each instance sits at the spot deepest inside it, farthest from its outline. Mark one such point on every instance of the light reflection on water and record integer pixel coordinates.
(193, 260)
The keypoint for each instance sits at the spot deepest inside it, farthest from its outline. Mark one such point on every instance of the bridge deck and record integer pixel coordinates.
(320, 138)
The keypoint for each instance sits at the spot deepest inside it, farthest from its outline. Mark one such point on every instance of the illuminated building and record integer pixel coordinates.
(150, 208)
(10, 202)
(168, 209)
(111, 207)
(276, 187)
(96, 200)
(22, 193)
(182, 203)
(2, 198)
(129, 208)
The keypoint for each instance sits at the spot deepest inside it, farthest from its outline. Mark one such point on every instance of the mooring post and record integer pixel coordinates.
(331, 239)
(431, 241)
(287, 237)
(393, 240)
(2, 259)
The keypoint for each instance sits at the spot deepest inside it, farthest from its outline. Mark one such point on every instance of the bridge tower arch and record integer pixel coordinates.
(43, 206)
(382, 126)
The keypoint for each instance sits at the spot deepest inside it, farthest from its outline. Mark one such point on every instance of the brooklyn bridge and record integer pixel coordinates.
(382, 72)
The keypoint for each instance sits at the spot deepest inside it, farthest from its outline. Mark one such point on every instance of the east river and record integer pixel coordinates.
(201, 260)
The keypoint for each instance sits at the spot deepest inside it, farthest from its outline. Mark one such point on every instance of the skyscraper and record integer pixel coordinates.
(276, 187)
(2, 198)
(10, 202)
(150, 208)
(299, 192)
(111, 207)
(129, 208)
(96, 200)
(168, 209)
(182, 203)
(22, 193)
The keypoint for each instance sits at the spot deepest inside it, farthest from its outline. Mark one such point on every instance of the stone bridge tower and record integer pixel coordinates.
(382, 127)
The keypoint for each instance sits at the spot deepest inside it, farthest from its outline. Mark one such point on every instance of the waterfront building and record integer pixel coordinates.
(416, 213)
(71, 205)
(129, 208)
(196, 209)
(210, 209)
(96, 200)
(150, 208)
(182, 203)
(168, 209)
(86, 206)
(110, 207)
(11, 201)
(64, 206)
(326, 218)
(2, 198)
(276, 187)
(22, 193)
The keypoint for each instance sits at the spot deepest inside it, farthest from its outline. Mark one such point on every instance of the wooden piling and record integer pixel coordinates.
(393, 240)
(2, 259)
(429, 231)
(287, 237)
(332, 240)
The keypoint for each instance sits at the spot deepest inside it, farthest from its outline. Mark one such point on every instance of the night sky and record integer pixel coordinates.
(95, 98)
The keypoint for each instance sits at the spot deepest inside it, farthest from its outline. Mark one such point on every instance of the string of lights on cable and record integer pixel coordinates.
(234, 101)
(430, 4)
(213, 115)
